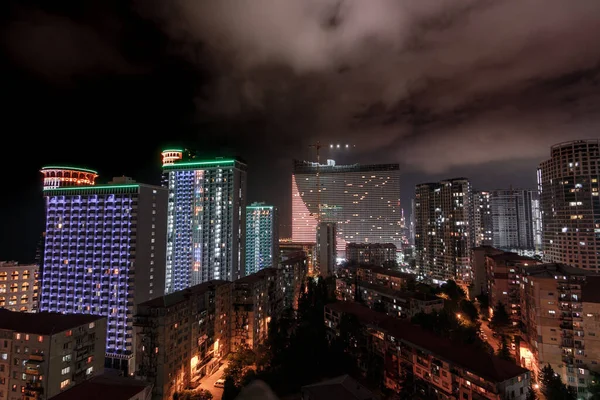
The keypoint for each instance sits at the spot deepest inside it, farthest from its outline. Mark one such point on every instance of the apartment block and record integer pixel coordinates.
(108, 387)
(441, 368)
(294, 268)
(560, 314)
(19, 286)
(379, 276)
(286, 246)
(262, 237)
(183, 337)
(256, 299)
(44, 354)
(482, 219)
(395, 303)
(478, 267)
(504, 273)
(379, 254)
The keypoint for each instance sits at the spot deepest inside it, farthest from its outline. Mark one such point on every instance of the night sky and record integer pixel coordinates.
(446, 88)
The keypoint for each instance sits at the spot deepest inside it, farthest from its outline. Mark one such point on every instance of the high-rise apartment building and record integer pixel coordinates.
(363, 201)
(560, 310)
(569, 185)
(443, 220)
(19, 286)
(262, 237)
(326, 248)
(206, 229)
(514, 219)
(482, 219)
(45, 354)
(371, 253)
(104, 253)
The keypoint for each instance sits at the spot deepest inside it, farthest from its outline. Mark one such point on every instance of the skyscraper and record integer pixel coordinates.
(570, 204)
(443, 220)
(104, 253)
(363, 201)
(513, 219)
(206, 226)
(262, 237)
(326, 248)
(482, 219)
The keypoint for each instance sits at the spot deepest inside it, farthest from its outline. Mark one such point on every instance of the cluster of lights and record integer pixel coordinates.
(339, 146)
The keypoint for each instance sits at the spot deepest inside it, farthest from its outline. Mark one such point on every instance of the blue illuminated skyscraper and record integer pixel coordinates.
(206, 226)
(262, 237)
(104, 252)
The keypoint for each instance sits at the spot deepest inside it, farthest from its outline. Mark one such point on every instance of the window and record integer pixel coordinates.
(14, 388)
(91, 325)
(4, 356)
(18, 336)
(90, 359)
(69, 333)
(40, 339)
(26, 337)
(89, 371)
(67, 358)
(64, 383)
(65, 371)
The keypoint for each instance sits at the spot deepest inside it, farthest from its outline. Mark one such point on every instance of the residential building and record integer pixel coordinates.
(559, 311)
(43, 354)
(443, 220)
(504, 273)
(478, 267)
(440, 367)
(341, 387)
(326, 248)
(309, 248)
(569, 198)
(105, 387)
(206, 229)
(514, 219)
(482, 219)
(104, 253)
(363, 200)
(378, 276)
(294, 269)
(19, 286)
(256, 299)
(262, 237)
(371, 253)
(183, 337)
(400, 304)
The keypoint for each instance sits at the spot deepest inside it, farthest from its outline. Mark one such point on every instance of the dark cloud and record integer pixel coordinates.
(436, 84)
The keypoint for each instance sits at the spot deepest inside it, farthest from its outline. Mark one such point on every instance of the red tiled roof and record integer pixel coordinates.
(43, 323)
(479, 362)
(104, 388)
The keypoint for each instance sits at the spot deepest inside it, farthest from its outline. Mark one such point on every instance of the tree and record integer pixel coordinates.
(504, 349)
(468, 309)
(484, 305)
(500, 320)
(531, 393)
(594, 387)
(553, 388)
(453, 291)
(230, 390)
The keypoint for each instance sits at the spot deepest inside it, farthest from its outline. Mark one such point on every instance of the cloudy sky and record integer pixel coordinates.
(446, 88)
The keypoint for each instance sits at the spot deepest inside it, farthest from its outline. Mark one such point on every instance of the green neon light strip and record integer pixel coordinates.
(72, 168)
(94, 187)
(198, 163)
(178, 150)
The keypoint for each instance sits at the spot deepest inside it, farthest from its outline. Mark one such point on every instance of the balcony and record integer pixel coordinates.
(36, 357)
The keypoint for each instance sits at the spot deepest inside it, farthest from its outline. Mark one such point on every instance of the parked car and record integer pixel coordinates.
(220, 383)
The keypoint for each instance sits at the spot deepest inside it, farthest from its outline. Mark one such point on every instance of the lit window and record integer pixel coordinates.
(91, 325)
(64, 383)
(40, 339)
(69, 333)
(65, 371)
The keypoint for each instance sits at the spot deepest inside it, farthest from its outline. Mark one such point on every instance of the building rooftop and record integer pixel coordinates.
(393, 292)
(43, 323)
(372, 245)
(590, 292)
(479, 362)
(342, 387)
(256, 277)
(550, 270)
(179, 296)
(509, 256)
(105, 387)
(386, 271)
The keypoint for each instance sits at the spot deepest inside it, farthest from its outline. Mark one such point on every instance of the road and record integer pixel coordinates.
(492, 341)
(208, 382)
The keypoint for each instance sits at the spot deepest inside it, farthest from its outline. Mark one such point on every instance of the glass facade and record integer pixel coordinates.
(205, 221)
(362, 200)
(262, 238)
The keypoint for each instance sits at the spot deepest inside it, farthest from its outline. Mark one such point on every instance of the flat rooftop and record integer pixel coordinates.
(179, 296)
(386, 271)
(487, 366)
(104, 387)
(43, 323)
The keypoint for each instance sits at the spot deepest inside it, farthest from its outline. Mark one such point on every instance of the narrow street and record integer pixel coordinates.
(208, 382)
(494, 342)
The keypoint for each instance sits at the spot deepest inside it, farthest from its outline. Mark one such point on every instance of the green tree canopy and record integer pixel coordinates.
(500, 320)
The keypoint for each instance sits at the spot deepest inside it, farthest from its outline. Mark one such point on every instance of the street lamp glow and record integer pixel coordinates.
(459, 316)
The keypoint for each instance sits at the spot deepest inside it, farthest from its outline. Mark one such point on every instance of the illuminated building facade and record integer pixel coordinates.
(206, 226)
(569, 185)
(443, 220)
(19, 287)
(55, 177)
(45, 354)
(256, 299)
(104, 253)
(183, 337)
(262, 237)
(513, 219)
(560, 310)
(287, 247)
(482, 219)
(363, 201)
(371, 253)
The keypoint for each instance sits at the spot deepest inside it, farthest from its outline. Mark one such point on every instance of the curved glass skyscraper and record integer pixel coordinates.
(363, 200)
